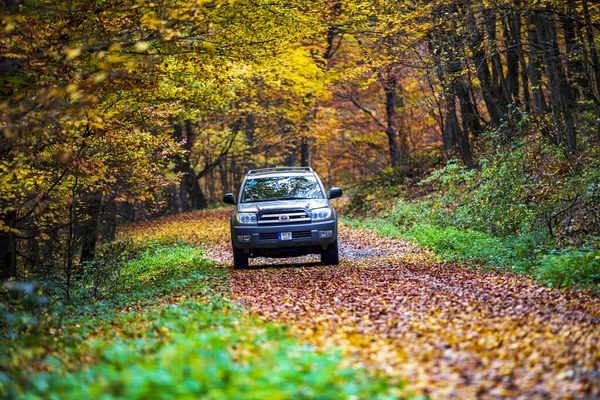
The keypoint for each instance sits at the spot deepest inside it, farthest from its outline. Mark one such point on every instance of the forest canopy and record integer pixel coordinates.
(115, 111)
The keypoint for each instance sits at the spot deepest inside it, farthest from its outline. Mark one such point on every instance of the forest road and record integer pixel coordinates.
(449, 331)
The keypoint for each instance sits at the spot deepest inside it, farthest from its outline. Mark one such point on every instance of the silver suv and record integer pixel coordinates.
(283, 212)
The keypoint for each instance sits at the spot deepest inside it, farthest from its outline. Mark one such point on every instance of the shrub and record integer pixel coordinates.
(570, 268)
(221, 362)
(174, 334)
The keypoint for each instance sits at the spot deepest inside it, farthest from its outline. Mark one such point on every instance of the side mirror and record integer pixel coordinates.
(229, 199)
(335, 192)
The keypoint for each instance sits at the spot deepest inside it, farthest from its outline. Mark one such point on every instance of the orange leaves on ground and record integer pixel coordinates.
(452, 332)
(209, 228)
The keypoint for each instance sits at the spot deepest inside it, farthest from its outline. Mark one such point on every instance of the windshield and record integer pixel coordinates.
(281, 188)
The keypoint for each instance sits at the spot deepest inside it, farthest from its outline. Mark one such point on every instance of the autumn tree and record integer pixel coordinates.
(91, 98)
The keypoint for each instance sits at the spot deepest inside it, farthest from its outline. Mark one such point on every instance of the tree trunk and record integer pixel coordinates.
(560, 91)
(108, 219)
(174, 205)
(539, 100)
(88, 229)
(499, 85)
(197, 197)
(595, 61)
(305, 154)
(511, 36)
(224, 177)
(8, 250)
(392, 127)
(470, 117)
(492, 103)
(32, 251)
(516, 27)
(250, 129)
(47, 248)
(456, 135)
(575, 67)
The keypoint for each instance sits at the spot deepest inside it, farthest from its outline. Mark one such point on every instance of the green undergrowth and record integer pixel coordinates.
(529, 207)
(529, 253)
(169, 331)
(452, 244)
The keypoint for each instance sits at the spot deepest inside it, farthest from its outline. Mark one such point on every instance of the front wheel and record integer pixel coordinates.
(240, 259)
(331, 256)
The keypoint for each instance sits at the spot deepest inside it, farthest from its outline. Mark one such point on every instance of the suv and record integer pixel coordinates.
(283, 212)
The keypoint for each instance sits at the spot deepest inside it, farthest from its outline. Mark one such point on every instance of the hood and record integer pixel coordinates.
(282, 204)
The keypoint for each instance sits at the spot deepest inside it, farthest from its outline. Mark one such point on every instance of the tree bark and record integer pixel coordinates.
(250, 129)
(470, 117)
(224, 177)
(499, 85)
(108, 219)
(495, 108)
(32, 251)
(197, 198)
(47, 248)
(456, 135)
(595, 60)
(539, 100)
(560, 90)
(454, 88)
(392, 127)
(88, 229)
(517, 24)
(305, 153)
(511, 37)
(8, 249)
(575, 67)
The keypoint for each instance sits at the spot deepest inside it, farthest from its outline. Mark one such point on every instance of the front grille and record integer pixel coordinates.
(302, 235)
(295, 235)
(268, 236)
(284, 217)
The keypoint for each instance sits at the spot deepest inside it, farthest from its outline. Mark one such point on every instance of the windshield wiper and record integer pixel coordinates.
(258, 200)
(293, 198)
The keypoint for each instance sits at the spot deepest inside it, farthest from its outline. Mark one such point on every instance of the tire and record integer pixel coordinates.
(240, 259)
(331, 255)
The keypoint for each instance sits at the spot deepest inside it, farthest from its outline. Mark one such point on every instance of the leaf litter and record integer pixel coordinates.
(450, 331)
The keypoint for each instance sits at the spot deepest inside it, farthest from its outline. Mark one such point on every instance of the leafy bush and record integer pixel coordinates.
(214, 356)
(155, 268)
(570, 268)
(526, 198)
(173, 333)
(21, 308)
(100, 278)
(453, 244)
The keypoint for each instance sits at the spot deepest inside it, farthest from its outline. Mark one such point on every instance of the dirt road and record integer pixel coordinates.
(449, 331)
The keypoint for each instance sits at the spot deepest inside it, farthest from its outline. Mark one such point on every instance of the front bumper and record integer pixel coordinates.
(266, 237)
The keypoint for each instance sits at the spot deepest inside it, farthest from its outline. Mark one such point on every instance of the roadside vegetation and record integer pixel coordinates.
(526, 208)
(471, 128)
(153, 318)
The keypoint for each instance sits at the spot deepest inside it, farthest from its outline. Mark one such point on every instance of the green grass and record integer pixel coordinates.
(452, 244)
(571, 268)
(171, 332)
(528, 253)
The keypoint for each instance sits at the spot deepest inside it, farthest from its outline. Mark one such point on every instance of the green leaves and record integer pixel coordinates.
(174, 334)
(571, 268)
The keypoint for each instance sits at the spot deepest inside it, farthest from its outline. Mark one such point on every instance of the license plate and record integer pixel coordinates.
(285, 236)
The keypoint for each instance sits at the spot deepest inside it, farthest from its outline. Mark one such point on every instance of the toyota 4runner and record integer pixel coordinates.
(283, 212)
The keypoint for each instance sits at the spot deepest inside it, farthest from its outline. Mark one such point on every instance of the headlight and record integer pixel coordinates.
(319, 214)
(246, 218)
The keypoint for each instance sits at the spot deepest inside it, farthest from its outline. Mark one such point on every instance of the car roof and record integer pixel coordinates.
(279, 171)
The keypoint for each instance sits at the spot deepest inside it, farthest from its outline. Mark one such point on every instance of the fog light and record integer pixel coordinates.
(324, 234)
(244, 238)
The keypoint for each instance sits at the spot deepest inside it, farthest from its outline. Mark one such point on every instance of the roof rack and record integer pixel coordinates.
(278, 169)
